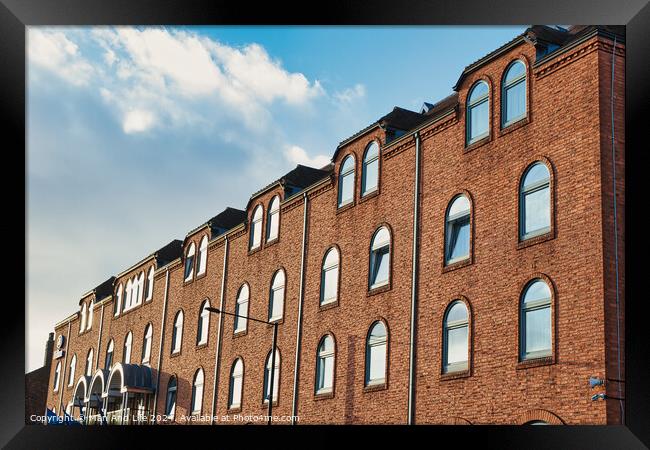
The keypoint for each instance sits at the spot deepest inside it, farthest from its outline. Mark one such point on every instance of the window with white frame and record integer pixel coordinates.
(126, 354)
(330, 277)
(177, 334)
(203, 256)
(379, 270)
(73, 366)
(256, 228)
(457, 230)
(89, 323)
(146, 344)
(82, 322)
(197, 392)
(535, 320)
(370, 174)
(513, 94)
(455, 349)
(128, 295)
(140, 290)
(89, 363)
(276, 296)
(376, 354)
(236, 384)
(535, 202)
(189, 262)
(150, 284)
(241, 308)
(204, 324)
(170, 401)
(325, 365)
(57, 375)
(109, 355)
(267, 377)
(117, 306)
(346, 181)
(273, 219)
(478, 112)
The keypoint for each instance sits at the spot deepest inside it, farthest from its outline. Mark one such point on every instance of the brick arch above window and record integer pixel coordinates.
(538, 414)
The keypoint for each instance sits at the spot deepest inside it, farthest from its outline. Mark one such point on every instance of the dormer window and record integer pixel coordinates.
(189, 262)
(273, 221)
(256, 228)
(478, 112)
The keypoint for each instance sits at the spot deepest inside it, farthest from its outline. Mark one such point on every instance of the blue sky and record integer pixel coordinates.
(137, 135)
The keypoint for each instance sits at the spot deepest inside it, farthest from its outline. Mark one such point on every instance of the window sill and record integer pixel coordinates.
(175, 354)
(254, 250)
(457, 265)
(240, 333)
(234, 409)
(379, 289)
(328, 305)
(201, 275)
(324, 395)
(272, 241)
(188, 281)
(271, 322)
(343, 208)
(201, 345)
(536, 240)
(455, 375)
(369, 195)
(514, 125)
(536, 362)
(265, 403)
(476, 144)
(376, 387)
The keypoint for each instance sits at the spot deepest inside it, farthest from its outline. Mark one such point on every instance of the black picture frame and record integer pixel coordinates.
(15, 15)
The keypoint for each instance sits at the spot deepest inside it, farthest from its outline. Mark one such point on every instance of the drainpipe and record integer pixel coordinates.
(160, 347)
(294, 406)
(414, 283)
(65, 365)
(219, 328)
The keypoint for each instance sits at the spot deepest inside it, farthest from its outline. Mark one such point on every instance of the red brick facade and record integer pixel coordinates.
(567, 127)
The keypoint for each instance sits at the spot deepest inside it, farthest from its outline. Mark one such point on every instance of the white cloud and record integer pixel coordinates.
(298, 155)
(349, 95)
(137, 121)
(53, 51)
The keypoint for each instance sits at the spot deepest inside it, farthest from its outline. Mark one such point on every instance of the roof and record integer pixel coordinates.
(300, 177)
(102, 290)
(442, 105)
(225, 220)
(169, 252)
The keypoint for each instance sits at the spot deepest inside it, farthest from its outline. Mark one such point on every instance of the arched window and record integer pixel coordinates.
(146, 344)
(457, 230)
(203, 255)
(256, 228)
(197, 392)
(126, 355)
(57, 375)
(73, 366)
(379, 270)
(346, 181)
(170, 402)
(513, 94)
(536, 422)
(117, 305)
(276, 296)
(82, 322)
(325, 365)
(273, 220)
(330, 277)
(177, 334)
(89, 323)
(140, 288)
(189, 262)
(109, 356)
(478, 112)
(128, 295)
(370, 174)
(267, 377)
(455, 350)
(236, 384)
(241, 308)
(535, 201)
(149, 287)
(89, 363)
(204, 324)
(376, 354)
(535, 320)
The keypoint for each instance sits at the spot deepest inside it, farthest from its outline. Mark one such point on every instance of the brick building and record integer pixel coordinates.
(453, 265)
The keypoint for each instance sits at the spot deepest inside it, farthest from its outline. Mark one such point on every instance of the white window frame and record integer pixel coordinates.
(197, 392)
(170, 411)
(146, 344)
(531, 189)
(109, 349)
(236, 376)
(73, 367)
(150, 284)
(243, 298)
(378, 247)
(204, 324)
(190, 261)
(277, 294)
(535, 305)
(273, 219)
(506, 86)
(472, 104)
(346, 172)
(256, 228)
(203, 256)
(382, 340)
(366, 162)
(89, 363)
(177, 333)
(127, 349)
(453, 325)
(82, 322)
(57, 377)
(329, 265)
(321, 362)
(454, 220)
(276, 377)
(118, 305)
(89, 320)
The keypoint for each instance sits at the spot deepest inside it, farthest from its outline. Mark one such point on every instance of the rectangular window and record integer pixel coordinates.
(347, 189)
(458, 240)
(537, 332)
(515, 102)
(537, 212)
(189, 265)
(380, 267)
(457, 348)
(371, 176)
(330, 283)
(277, 298)
(273, 226)
(377, 371)
(479, 115)
(240, 322)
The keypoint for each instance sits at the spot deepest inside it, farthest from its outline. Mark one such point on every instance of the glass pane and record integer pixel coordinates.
(328, 375)
(257, 233)
(236, 391)
(516, 70)
(273, 226)
(346, 188)
(277, 298)
(457, 345)
(538, 290)
(459, 206)
(242, 310)
(457, 312)
(538, 330)
(516, 101)
(377, 362)
(537, 210)
(478, 120)
(459, 239)
(330, 284)
(348, 164)
(478, 91)
(371, 176)
(381, 266)
(381, 238)
(537, 173)
(378, 332)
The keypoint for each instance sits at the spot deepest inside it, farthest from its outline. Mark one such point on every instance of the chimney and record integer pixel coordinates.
(49, 348)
